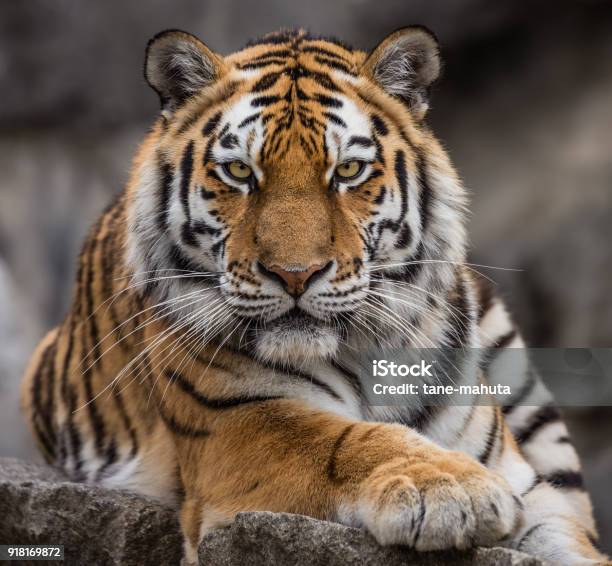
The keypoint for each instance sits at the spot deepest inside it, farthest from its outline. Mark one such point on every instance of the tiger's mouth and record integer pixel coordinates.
(296, 319)
(296, 336)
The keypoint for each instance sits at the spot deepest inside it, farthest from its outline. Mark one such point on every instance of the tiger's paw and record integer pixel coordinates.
(449, 501)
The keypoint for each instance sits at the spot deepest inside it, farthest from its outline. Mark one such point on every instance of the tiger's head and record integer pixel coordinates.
(291, 194)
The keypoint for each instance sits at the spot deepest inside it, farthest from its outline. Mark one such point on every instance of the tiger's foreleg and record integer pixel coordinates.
(279, 455)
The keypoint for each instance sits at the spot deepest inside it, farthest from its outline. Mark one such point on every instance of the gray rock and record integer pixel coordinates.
(280, 538)
(96, 526)
(101, 526)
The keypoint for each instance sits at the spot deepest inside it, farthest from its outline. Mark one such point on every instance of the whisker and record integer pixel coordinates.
(381, 267)
(170, 303)
(164, 334)
(136, 273)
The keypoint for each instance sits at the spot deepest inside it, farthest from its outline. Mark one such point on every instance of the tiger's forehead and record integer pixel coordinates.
(292, 48)
(296, 97)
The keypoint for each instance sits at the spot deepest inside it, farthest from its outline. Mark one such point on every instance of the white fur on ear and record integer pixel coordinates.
(178, 66)
(405, 64)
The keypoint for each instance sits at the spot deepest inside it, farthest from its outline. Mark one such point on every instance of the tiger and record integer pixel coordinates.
(290, 207)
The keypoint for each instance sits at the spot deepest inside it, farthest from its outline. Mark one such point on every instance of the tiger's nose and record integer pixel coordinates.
(295, 281)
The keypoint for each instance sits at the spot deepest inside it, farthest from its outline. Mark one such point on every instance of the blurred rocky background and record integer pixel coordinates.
(524, 107)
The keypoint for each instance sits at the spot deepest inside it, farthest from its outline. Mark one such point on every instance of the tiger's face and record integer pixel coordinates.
(288, 181)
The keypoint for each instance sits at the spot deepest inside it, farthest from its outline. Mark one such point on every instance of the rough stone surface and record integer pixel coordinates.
(281, 538)
(96, 526)
(100, 526)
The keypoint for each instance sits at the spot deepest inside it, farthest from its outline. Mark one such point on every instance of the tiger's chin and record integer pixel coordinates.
(296, 338)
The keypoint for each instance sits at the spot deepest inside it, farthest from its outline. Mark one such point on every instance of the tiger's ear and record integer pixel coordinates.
(178, 66)
(405, 64)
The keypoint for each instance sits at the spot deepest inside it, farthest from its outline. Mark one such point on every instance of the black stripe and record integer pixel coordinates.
(485, 296)
(402, 182)
(125, 419)
(166, 175)
(264, 101)
(68, 394)
(187, 235)
(526, 536)
(299, 374)
(45, 442)
(287, 371)
(426, 191)
(62, 445)
(44, 429)
(323, 51)
(542, 417)
(483, 458)
(224, 130)
(460, 315)
(419, 522)
(307, 149)
(360, 140)
(214, 175)
(266, 82)
(537, 480)
(523, 393)
(421, 418)
(351, 377)
(249, 119)
(335, 65)
(411, 271)
(272, 53)
(380, 197)
(190, 120)
(50, 404)
(186, 172)
(36, 387)
(379, 156)
(183, 430)
(208, 152)
(218, 404)
(503, 341)
(404, 237)
(97, 423)
(92, 278)
(467, 421)
(108, 275)
(211, 124)
(229, 141)
(328, 101)
(73, 431)
(218, 248)
(335, 119)
(202, 227)
(178, 428)
(322, 79)
(110, 458)
(380, 127)
(206, 194)
(261, 64)
(565, 479)
(181, 262)
(332, 472)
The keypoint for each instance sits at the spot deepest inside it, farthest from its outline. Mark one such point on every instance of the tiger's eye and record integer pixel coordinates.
(239, 170)
(349, 169)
